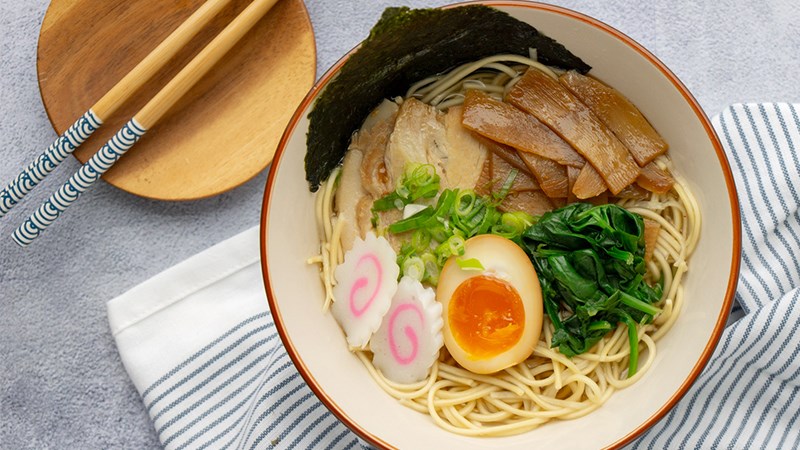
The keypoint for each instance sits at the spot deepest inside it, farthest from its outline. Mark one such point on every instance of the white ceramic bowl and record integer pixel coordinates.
(317, 346)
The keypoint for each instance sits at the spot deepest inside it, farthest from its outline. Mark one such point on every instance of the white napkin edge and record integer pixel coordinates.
(203, 269)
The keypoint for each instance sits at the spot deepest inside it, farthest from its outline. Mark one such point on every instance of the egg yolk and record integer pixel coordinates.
(486, 316)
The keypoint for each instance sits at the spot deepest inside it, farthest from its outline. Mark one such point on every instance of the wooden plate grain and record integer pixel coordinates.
(222, 133)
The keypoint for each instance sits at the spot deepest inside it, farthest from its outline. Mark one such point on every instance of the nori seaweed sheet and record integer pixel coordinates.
(406, 46)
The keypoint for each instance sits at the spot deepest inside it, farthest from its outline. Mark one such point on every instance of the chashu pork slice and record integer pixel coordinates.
(364, 176)
(503, 123)
(424, 135)
(461, 166)
(620, 115)
(348, 196)
(372, 140)
(553, 104)
(419, 137)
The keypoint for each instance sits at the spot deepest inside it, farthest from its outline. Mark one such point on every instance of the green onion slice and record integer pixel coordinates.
(469, 264)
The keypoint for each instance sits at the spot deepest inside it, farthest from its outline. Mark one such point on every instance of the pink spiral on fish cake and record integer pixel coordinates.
(366, 281)
(362, 282)
(410, 333)
(407, 344)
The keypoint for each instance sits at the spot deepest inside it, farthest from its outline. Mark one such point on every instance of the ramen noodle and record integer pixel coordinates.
(546, 385)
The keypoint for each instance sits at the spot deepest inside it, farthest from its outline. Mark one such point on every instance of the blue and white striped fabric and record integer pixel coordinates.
(203, 352)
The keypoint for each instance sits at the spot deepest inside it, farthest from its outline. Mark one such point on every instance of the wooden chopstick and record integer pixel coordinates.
(142, 121)
(93, 119)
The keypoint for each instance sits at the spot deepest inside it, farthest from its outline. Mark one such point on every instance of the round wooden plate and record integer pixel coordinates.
(222, 133)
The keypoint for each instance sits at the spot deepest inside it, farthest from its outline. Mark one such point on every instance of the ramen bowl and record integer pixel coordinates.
(317, 344)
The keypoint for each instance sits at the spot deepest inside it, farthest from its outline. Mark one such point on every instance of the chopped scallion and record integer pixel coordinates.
(469, 264)
(414, 267)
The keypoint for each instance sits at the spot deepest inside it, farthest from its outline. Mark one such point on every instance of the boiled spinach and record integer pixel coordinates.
(590, 262)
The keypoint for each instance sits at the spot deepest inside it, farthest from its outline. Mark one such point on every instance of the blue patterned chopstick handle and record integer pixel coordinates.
(81, 181)
(49, 160)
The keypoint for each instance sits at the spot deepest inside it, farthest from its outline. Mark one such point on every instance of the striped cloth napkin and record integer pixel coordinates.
(202, 350)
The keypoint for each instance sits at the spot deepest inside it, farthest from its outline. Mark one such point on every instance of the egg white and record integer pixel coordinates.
(503, 259)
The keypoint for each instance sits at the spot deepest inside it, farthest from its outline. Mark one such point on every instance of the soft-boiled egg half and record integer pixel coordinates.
(492, 311)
